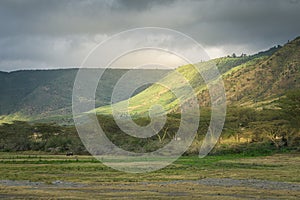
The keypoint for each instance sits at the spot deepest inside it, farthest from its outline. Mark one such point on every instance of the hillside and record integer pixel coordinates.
(229, 67)
(259, 84)
(35, 94)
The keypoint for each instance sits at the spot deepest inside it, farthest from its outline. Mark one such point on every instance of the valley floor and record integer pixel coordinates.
(31, 175)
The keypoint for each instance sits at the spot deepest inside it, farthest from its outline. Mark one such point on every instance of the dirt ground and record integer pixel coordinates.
(209, 188)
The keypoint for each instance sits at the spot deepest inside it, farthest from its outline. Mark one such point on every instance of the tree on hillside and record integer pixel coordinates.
(15, 137)
(239, 119)
(275, 131)
(290, 107)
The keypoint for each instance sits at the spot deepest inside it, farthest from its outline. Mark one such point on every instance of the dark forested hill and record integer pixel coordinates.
(44, 93)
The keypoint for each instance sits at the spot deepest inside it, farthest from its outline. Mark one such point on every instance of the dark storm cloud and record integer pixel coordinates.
(140, 4)
(60, 33)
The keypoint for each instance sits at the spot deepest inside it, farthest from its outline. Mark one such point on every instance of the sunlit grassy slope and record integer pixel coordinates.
(13, 117)
(176, 81)
(254, 81)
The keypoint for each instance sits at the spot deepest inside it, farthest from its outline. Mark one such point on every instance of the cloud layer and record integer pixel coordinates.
(50, 34)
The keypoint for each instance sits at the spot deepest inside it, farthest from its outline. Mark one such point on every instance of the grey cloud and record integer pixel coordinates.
(139, 4)
(41, 31)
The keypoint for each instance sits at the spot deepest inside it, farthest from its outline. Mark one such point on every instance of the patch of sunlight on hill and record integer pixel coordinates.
(228, 67)
(160, 94)
(9, 119)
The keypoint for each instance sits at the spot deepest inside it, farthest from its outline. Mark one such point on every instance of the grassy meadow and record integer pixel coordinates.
(46, 176)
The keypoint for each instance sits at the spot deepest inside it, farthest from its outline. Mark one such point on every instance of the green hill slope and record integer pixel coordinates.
(158, 94)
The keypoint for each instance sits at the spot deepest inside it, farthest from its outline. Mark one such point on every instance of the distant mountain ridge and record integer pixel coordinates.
(45, 93)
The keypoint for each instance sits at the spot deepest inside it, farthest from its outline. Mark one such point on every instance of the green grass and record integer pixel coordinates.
(174, 181)
(49, 168)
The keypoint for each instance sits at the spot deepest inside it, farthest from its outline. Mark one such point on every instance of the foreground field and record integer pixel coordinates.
(30, 175)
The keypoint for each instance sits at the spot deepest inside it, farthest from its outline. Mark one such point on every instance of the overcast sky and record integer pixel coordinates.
(57, 34)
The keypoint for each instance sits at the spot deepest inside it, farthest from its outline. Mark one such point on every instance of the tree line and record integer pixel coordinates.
(278, 128)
